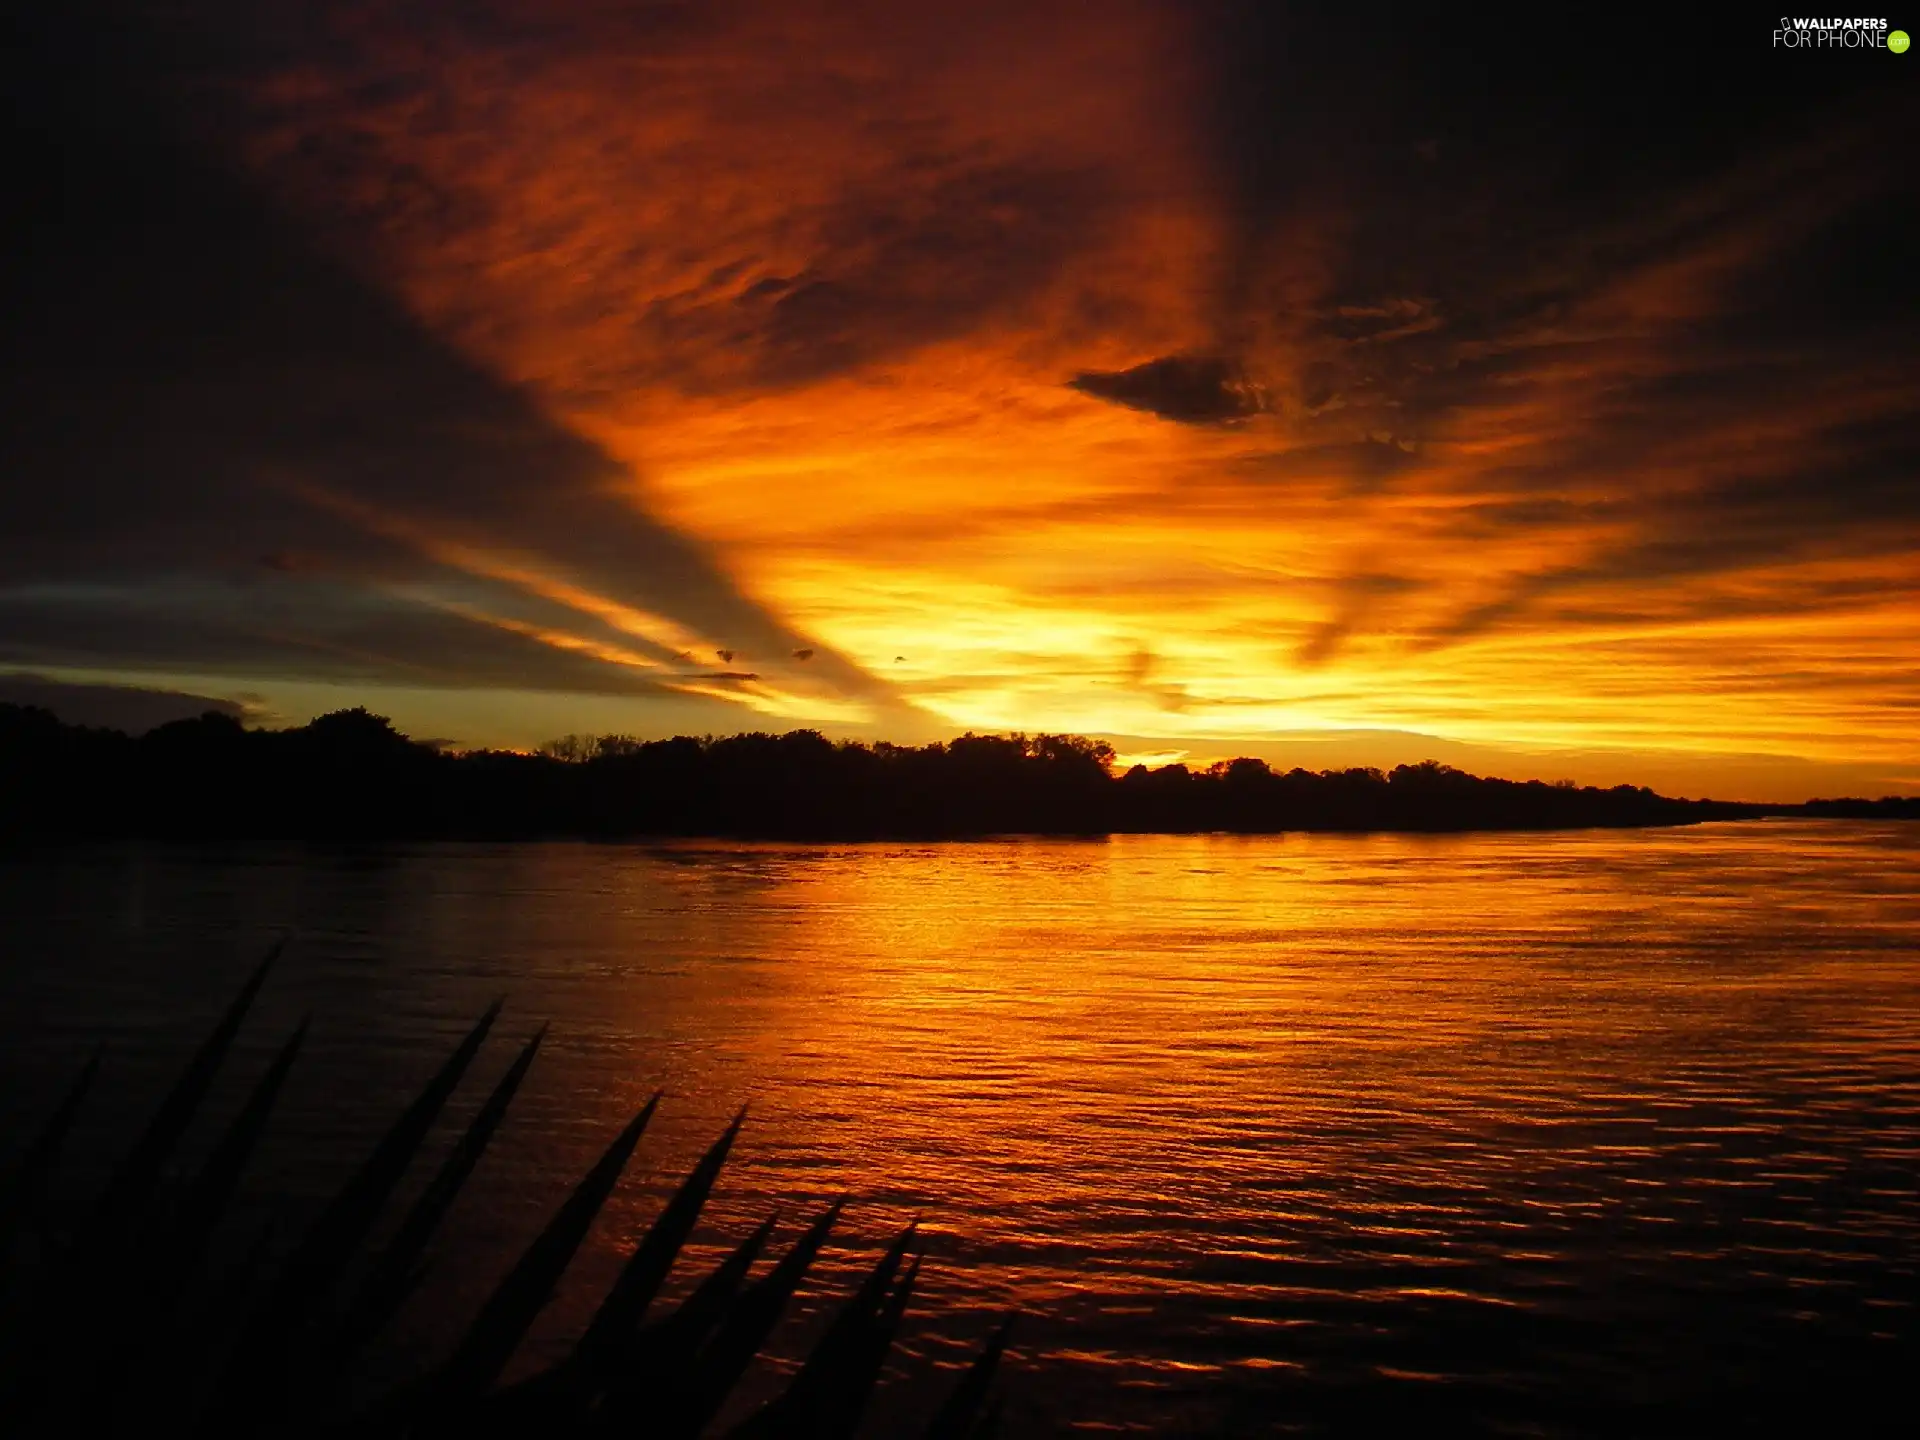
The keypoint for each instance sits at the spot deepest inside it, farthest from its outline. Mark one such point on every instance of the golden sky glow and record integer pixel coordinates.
(817, 279)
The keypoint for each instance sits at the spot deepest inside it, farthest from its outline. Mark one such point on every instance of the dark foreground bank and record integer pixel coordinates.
(352, 775)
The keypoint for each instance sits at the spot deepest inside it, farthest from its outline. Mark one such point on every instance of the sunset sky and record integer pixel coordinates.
(1214, 378)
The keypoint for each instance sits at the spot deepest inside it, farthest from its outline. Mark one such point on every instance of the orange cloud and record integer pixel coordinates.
(823, 277)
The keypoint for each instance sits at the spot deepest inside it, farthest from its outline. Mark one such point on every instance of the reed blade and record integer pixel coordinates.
(258, 1377)
(24, 1332)
(354, 1209)
(861, 1310)
(896, 1307)
(213, 1189)
(84, 1303)
(132, 1187)
(24, 1190)
(646, 1269)
(965, 1411)
(505, 1318)
(701, 1311)
(135, 1335)
(129, 1340)
(667, 1347)
(834, 1377)
(840, 1417)
(395, 1272)
(722, 1361)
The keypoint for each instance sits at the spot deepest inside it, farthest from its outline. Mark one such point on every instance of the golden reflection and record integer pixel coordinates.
(1243, 1088)
(1216, 1106)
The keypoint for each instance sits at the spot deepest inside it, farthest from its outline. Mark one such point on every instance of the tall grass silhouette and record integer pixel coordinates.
(115, 1318)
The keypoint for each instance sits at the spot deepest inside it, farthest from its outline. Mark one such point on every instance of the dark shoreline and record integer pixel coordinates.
(351, 777)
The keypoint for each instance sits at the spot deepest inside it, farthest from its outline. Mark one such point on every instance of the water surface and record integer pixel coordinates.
(1533, 1134)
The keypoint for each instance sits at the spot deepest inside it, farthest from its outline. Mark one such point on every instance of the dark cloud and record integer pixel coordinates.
(184, 380)
(319, 631)
(1723, 530)
(897, 270)
(1364, 465)
(1145, 674)
(936, 238)
(1356, 597)
(1192, 389)
(114, 707)
(1395, 222)
(1653, 349)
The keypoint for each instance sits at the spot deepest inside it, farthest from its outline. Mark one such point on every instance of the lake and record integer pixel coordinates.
(1529, 1134)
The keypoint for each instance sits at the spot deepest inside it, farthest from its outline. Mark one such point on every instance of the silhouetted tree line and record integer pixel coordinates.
(1887, 807)
(352, 775)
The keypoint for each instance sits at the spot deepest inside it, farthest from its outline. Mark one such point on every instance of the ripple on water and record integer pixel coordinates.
(1543, 1133)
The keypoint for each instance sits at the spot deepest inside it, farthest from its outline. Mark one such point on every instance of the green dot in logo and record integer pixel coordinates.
(1898, 42)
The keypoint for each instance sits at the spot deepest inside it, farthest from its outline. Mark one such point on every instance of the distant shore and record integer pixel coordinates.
(351, 775)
